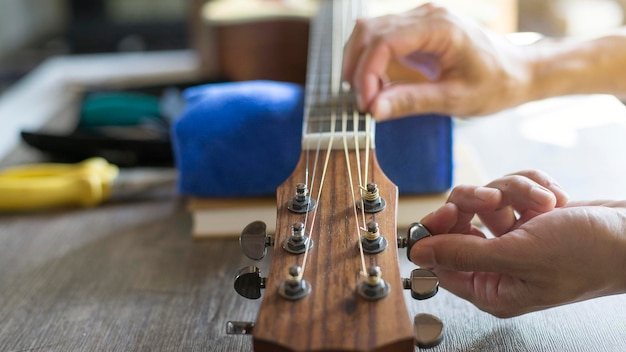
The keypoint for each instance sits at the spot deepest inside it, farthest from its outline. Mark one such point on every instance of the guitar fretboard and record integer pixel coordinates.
(330, 114)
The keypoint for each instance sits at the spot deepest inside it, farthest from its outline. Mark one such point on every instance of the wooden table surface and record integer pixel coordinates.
(127, 276)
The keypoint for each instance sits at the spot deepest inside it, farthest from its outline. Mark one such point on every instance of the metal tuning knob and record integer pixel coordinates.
(298, 242)
(248, 282)
(423, 284)
(415, 233)
(372, 242)
(294, 288)
(301, 202)
(428, 330)
(373, 287)
(239, 327)
(372, 202)
(254, 240)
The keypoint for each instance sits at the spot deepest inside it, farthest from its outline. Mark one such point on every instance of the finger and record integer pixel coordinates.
(471, 200)
(353, 49)
(410, 37)
(400, 100)
(493, 293)
(548, 182)
(441, 220)
(445, 218)
(466, 253)
(516, 193)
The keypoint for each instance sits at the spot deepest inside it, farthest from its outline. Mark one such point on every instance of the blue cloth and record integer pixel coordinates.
(244, 139)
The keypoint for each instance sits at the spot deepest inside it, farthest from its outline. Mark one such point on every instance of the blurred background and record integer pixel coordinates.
(34, 30)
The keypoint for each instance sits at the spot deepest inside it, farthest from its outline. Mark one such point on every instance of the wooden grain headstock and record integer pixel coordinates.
(333, 317)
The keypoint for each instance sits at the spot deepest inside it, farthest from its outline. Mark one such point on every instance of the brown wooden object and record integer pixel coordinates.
(333, 317)
(265, 49)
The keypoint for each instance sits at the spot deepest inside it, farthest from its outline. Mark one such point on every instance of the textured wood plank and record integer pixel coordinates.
(128, 277)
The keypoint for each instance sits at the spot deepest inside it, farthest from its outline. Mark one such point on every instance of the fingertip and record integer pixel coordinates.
(424, 256)
(562, 197)
(381, 110)
(440, 220)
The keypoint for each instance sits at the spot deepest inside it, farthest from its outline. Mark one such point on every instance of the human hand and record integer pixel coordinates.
(555, 252)
(470, 70)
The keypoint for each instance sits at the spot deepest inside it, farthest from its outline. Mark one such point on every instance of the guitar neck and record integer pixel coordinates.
(330, 115)
(336, 162)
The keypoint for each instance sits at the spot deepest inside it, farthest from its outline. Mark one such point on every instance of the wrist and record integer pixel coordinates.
(555, 69)
(565, 67)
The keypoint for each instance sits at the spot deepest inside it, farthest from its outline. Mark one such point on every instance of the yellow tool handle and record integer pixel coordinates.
(39, 186)
(17, 195)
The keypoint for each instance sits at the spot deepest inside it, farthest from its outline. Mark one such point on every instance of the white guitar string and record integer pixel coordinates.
(338, 45)
(338, 89)
(314, 78)
(326, 96)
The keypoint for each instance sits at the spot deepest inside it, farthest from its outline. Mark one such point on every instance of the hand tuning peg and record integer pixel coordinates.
(415, 233)
(254, 240)
(248, 282)
(428, 330)
(423, 284)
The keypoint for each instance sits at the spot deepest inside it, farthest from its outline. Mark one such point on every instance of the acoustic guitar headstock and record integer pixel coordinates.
(334, 281)
(317, 296)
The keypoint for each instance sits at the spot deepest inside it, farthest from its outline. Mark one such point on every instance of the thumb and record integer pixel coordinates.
(464, 253)
(399, 100)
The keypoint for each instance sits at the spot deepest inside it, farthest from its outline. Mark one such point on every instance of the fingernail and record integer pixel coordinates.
(383, 109)
(485, 193)
(541, 195)
(423, 256)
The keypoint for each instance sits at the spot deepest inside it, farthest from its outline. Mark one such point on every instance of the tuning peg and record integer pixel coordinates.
(294, 288)
(415, 233)
(298, 242)
(423, 284)
(301, 203)
(254, 240)
(248, 282)
(371, 241)
(372, 202)
(239, 327)
(428, 330)
(373, 287)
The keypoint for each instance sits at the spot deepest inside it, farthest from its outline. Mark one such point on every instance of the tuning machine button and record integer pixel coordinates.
(428, 330)
(416, 232)
(239, 327)
(248, 282)
(254, 240)
(423, 284)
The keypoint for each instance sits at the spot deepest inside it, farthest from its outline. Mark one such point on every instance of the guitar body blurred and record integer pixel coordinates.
(241, 40)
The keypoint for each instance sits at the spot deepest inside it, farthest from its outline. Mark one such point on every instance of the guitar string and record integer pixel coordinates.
(312, 91)
(338, 90)
(338, 44)
(320, 96)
